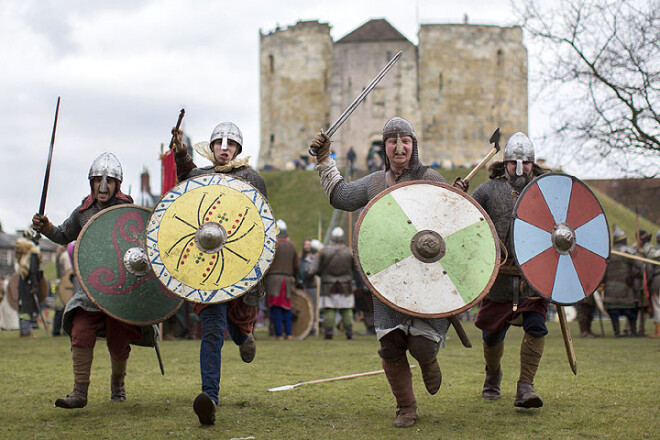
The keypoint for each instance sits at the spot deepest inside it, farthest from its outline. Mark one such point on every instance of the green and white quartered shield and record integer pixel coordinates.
(426, 249)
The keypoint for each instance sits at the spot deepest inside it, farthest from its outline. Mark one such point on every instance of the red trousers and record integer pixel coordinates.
(118, 334)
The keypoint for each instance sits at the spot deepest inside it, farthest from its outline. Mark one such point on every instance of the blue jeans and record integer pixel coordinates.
(281, 316)
(214, 323)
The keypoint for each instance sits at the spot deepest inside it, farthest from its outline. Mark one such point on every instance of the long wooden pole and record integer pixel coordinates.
(568, 341)
(635, 257)
(330, 379)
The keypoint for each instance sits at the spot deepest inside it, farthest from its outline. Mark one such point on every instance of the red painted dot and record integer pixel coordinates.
(213, 256)
(240, 215)
(207, 219)
(218, 202)
(182, 263)
(236, 221)
(214, 207)
(229, 232)
(210, 264)
(203, 274)
(208, 268)
(188, 250)
(185, 256)
(233, 227)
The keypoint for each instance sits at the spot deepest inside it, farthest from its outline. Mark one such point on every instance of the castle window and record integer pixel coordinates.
(272, 138)
(388, 56)
(500, 57)
(271, 62)
(441, 83)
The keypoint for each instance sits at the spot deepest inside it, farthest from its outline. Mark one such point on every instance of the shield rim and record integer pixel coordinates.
(83, 284)
(373, 290)
(195, 300)
(515, 216)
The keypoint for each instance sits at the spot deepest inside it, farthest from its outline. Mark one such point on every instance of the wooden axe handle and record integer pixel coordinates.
(483, 162)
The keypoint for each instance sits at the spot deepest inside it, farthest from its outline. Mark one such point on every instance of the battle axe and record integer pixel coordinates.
(494, 139)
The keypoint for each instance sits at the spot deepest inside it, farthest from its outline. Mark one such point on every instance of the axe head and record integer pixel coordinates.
(495, 138)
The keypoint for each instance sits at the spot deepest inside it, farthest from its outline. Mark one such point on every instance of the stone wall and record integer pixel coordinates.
(294, 99)
(460, 84)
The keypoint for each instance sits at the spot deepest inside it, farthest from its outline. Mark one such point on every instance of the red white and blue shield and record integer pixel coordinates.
(560, 238)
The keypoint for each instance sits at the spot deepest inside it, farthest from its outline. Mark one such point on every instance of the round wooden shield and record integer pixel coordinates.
(426, 249)
(560, 238)
(113, 268)
(211, 238)
(12, 291)
(303, 314)
(65, 287)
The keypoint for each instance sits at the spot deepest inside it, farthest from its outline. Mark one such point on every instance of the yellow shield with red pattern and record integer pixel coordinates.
(211, 238)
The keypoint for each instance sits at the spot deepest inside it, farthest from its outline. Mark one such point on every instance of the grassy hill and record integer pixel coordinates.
(297, 197)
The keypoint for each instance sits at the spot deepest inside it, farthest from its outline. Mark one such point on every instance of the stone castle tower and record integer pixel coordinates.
(456, 87)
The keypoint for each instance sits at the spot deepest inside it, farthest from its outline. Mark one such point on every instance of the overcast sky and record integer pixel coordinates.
(125, 68)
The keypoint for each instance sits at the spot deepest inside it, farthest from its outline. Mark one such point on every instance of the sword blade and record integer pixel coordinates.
(44, 192)
(361, 97)
(351, 108)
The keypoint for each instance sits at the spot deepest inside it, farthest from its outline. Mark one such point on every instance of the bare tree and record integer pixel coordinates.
(605, 55)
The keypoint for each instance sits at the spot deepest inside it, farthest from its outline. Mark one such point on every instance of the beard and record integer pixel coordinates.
(518, 182)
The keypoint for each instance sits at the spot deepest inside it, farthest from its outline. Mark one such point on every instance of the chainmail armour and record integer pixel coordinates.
(498, 198)
(621, 271)
(355, 195)
(66, 233)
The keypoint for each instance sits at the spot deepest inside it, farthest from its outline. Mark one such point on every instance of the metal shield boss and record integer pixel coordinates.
(211, 238)
(426, 249)
(114, 271)
(561, 239)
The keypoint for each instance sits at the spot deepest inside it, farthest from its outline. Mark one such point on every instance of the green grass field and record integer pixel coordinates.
(614, 395)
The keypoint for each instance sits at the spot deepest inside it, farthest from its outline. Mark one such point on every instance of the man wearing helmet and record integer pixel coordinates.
(510, 300)
(82, 320)
(236, 316)
(396, 331)
(335, 266)
(280, 281)
(620, 296)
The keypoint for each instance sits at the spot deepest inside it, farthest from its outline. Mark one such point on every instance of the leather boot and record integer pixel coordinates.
(657, 331)
(531, 351)
(399, 377)
(492, 356)
(432, 376)
(117, 388)
(525, 396)
(425, 351)
(204, 407)
(82, 365)
(248, 349)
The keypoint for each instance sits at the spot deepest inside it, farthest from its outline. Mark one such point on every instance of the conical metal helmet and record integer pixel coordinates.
(106, 165)
(225, 131)
(619, 234)
(397, 127)
(337, 235)
(519, 149)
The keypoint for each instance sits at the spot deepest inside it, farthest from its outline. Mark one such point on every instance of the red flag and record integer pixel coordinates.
(168, 171)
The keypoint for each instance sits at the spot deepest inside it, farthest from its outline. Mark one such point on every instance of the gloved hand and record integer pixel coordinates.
(41, 224)
(177, 136)
(461, 184)
(321, 144)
